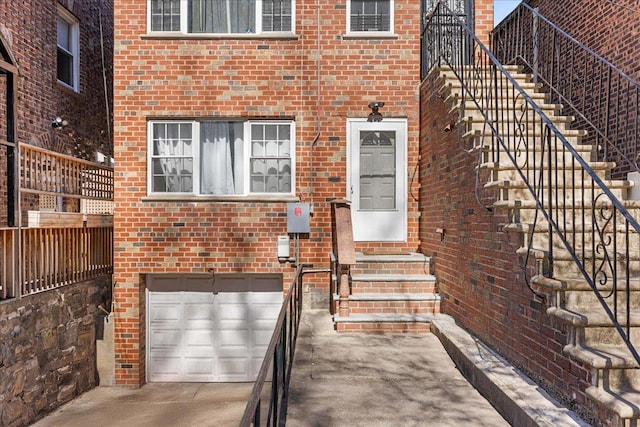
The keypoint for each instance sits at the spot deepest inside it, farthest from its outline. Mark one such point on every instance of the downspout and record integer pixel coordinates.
(315, 139)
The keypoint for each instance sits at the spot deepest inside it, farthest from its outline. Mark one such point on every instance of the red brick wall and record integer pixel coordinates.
(611, 30)
(479, 274)
(258, 78)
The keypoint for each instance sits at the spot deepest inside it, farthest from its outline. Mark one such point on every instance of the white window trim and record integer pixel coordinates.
(246, 152)
(184, 24)
(371, 33)
(75, 46)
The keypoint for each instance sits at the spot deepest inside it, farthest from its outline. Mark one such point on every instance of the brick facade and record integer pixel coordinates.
(319, 78)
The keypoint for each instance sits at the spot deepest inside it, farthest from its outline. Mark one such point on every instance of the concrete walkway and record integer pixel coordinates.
(346, 380)
(355, 380)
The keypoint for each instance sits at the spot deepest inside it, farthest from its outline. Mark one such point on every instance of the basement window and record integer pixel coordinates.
(221, 158)
(220, 17)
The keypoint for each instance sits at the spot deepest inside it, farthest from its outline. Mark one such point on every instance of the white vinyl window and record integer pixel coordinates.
(221, 16)
(68, 57)
(367, 16)
(221, 158)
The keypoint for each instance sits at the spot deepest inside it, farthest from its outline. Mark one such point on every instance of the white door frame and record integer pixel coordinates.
(378, 225)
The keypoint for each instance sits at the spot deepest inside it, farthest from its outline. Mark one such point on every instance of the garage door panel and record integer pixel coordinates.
(206, 336)
(166, 368)
(233, 368)
(201, 366)
(165, 312)
(167, 338)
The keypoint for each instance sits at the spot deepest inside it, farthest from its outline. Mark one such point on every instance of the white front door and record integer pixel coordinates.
(376, 179)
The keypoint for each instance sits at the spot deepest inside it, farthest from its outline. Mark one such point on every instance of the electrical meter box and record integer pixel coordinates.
(298, 218)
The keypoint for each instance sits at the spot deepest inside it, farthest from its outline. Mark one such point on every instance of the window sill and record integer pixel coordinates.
(283, 198)
(373, 35)
(240, 36)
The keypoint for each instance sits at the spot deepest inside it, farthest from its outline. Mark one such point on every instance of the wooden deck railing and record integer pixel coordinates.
(49, 258)
(48, 172)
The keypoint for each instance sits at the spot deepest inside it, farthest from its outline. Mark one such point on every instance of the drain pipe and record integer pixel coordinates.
(318, 86)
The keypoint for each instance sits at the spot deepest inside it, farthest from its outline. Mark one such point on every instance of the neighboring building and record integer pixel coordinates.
(55, 111)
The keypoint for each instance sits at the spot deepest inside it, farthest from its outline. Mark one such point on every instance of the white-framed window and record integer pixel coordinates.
(221, 16)
(367, 16)
(221, 158)
(68, 58)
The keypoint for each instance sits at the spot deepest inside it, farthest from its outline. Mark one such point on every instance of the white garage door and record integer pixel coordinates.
(204, 330)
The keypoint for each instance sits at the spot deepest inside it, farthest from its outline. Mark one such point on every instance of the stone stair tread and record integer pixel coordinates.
(591, 317)
(384, 317)
(615, 183)
(543, 227)
(505, 165)
(393, 278)
(580, 284)
(531, 204)
(402, 257)
(624, 401)
(561, 254)
(604, 356)
(392, 296)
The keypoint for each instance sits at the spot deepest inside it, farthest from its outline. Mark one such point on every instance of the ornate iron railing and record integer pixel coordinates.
(267, 405)
(604, 100)
(585, 221)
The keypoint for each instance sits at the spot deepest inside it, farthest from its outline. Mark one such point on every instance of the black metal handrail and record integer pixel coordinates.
(604, 99)
(586, 222)
(278, 361)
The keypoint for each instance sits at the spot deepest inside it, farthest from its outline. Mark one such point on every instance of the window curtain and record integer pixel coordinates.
(168, 165)
(222, 16)
(221, 155)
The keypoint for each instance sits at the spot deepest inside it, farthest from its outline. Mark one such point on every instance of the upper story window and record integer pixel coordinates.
(221, 16)
(221, 158)
(370, 16)
(68, 58)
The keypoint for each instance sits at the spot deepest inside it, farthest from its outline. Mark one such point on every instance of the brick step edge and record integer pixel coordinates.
(391, 297)
(380, 258)
(393, 278)
(384, 318)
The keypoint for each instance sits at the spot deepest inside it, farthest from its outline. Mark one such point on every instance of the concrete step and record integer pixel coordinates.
(623, 401)
(403, 263)
(391, 303)
(380, 323)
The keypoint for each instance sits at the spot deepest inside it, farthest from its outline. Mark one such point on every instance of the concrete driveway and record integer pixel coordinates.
(157, 405)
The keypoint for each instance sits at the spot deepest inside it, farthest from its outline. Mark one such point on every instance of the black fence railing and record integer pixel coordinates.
(585, 222)
(604, 100)
(267, 405)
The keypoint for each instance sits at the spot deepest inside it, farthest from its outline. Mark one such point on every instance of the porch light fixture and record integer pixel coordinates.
(58, 123)
(375, 115)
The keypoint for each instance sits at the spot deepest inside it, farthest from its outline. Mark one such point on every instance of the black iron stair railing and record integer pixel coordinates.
(563, 186)
(267, 405)
(604, 99)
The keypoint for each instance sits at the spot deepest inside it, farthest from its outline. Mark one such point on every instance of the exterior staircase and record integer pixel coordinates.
(593, 340)
(388, 293)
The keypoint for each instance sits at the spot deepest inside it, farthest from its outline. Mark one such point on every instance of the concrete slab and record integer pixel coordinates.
(157, 405)
(379, 380)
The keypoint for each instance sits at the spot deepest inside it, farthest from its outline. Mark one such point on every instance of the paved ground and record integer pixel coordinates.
(155, 405)
(348, 380)
(379, 380)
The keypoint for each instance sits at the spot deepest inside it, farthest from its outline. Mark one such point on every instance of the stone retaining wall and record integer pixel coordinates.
(48, 350)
